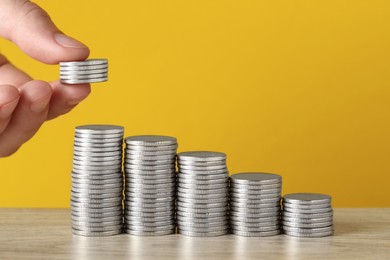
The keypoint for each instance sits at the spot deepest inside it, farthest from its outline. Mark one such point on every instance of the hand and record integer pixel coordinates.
(25, 104)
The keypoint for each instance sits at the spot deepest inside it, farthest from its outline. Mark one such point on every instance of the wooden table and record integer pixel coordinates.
(46, 234)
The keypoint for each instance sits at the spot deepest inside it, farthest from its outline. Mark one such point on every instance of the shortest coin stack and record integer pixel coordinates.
(307, 215)
(255, 204)
(97, 181)
(88, 71)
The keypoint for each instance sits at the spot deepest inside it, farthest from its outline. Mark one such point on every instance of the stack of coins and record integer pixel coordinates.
(255, 204)
(202, 206)
(88, 71)
(97, 181)
(150, 185)
(307, 215)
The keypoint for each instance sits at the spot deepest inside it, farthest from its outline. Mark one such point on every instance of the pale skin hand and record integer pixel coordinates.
(25, 104)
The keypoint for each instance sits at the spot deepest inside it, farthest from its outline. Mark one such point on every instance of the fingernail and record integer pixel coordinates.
(40, 105)
(6, 110)
(72, 103)
(67, 41)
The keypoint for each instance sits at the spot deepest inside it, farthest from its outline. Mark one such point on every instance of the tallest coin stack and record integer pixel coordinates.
(97, 180)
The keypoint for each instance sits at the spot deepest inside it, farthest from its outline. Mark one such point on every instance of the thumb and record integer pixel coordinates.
(30, 27)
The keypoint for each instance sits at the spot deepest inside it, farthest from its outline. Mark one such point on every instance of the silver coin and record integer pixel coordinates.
(96, 224)
(306, 225)
(72, 76)
(254, 197)
(201, 215)
(212, 173)
(202, 168)
(82, 186)
(131, 153)
(197, 191)
(82, 81)
(82, 141)
(97, 168)
(99, 135)
(156, 188)
(256, 229)
(203, 210)
(97, 145)
(150, 167)
(98, 229)
(172, 147)
(201, 163)
(131, 204)
(96, 215)
(305, 207)
(97, 149)
(148, 219)
(308, 230)
(308, 220)
(88, 62)
(105, 175)
(255, 177)
(189, 182)
(82, 181)
(203, 229)
(202, 206)
(150, 173)
(81, 205)
(97, 201)
(96, 234)
(261, 219)
(151, 200)
(151, 229)
(152, 163)
(145, 233)
(254, 205)
(97, 154)
(150, 157)
(307, 211)
(317, 234)
(97, 164)
(202, 201)
(138, 192)
(97, 159)
(99, 129)
(150, 210)
(83, 72)
(251, 186)
(170, 222)
(151, 140)
(77, 195)
(202, 196)
(149, 214)
(201, 156)
(255, 224)
(260, 201)
(96, 220)
(307, 198)
(243, 215)
(255, 211)
(194, 220)
(150, 182)
(200, 234)
(97, 210)
(255, 234)
(202, 225)
(66, 69)
(166, 194)
(257, 192)
(204, 187)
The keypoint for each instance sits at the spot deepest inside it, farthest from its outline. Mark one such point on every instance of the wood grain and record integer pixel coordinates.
(45, 234)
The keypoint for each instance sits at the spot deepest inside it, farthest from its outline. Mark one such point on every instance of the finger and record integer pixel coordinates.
(31, 28)
(9, 97)
(28, 116)
(66, 97)
(10, 75)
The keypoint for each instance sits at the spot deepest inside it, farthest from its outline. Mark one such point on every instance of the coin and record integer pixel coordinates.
(149, 233)
(255, 177)
(96, 234)
(256, 234)
(201, 156)
(202, 234)
(307, 198)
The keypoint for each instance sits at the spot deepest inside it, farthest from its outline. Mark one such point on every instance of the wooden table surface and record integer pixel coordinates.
(46, 234)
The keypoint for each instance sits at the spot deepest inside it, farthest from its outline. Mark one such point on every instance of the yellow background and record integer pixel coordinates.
(299, 88)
